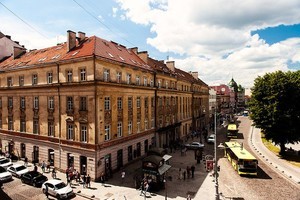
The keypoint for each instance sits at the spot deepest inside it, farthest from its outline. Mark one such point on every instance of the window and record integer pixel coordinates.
(34, 79)
(21, 80)
(69, 76)
(106, 103)
(83, 133)
(51, 102)
(106, 75)
(167, 84)
(137, 80)
(129, 153)
(120, 103)
(138, 126)
(10, 102)
(151, 82)
(129, 102)
(69, 104)
(0, 102)
(145, 81)
(152, 123)
(49, 77)
(107, 132)
(10, 123)
(159, 83)
(36, 103)
(82, 75)
(9, 82)
(138, 102)
(119, 77)
(119, 129)
(22, 102)
(146, 124)
(83, 104)
(152, 102)
(146, 102)
(22, 125)
(35, 126)
(129, 127)
(70, 132)
(128, 78)
(50, 128)
(0, 122)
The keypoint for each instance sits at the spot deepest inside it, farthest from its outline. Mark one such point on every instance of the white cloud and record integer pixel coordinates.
(219, 30)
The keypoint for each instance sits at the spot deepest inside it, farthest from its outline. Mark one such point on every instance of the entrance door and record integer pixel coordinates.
(11, 147)
(35, 154)
(23, 150)
(70, 158)
(138, 149)
(119, 159)
(108, 171)
(51, 157)
(83, 165)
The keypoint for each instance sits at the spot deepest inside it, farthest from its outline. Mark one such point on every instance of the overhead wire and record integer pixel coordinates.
(24, 21)
(96, 18)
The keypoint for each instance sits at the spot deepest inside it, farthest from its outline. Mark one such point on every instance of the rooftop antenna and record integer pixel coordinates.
(168, 55)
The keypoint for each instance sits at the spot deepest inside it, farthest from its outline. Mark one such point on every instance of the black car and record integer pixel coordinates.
(34, 178)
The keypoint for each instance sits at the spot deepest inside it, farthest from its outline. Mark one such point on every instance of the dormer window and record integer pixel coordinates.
(137, 80)
(34, 79)
(128, 78)
(119, 77)
(106, 75)
(9, 82)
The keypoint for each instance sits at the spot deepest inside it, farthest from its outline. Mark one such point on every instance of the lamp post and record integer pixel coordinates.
(217, 197)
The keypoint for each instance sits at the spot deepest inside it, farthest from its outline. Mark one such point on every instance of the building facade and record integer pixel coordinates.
(93, 104)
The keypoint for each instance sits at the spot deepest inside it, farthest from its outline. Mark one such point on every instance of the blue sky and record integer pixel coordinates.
(219, 39)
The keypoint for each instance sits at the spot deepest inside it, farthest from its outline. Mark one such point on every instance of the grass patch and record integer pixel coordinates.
(293, 159)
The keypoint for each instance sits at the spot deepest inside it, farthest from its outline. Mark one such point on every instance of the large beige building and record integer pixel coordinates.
(94, 104)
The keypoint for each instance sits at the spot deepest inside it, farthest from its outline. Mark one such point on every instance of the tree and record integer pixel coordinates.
(275, 107)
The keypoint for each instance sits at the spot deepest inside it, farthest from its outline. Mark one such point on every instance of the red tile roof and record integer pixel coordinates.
(87, 48)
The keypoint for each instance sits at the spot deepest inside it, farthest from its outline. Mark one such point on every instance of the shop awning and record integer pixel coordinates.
(167, 157)
(164, 168)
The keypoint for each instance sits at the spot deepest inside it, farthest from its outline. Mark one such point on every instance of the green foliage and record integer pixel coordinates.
(275, 106)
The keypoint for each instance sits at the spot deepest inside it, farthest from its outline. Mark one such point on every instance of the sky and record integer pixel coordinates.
(219, 39)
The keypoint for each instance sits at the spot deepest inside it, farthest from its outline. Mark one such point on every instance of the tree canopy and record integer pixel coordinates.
(275, 106)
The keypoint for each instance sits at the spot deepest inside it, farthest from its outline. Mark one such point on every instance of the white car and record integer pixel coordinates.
(211, 138)
(58, 189)
(194, 145)
(5, 163)
(4, 175)
(17, 170)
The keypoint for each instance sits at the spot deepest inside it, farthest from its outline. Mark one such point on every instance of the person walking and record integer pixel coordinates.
(43, 166)
(53, 173)
(193, 170)
(35, 168)
(123, 176)
(179, 174)
(88, 181)
(189, 197)
(84, 181)
(184, 175)
(25, 161)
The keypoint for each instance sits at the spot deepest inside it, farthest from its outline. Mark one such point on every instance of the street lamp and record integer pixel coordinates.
(217, 197)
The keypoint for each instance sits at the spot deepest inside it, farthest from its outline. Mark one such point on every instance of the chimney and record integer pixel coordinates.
(171, 65)
(143, 55)
(17, 42)
(8, 36)
(134, 49)
(17, 51)
(194, 74)
(81, 36)
(71, 40)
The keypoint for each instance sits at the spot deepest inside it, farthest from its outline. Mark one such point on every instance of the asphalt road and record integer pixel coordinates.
(267, 185)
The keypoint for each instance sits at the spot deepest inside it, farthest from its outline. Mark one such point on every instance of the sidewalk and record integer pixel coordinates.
(199, 187)
(290, 171)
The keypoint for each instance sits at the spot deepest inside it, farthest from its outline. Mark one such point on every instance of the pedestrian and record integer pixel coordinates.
(43, 166)
(53, 173)
(102, 178)
(46, 191)
(123, 176)
(179, 174)
(25, 161)
(35, 168)
(193, 170)
(189, 197)
(188, 171)
(78, 177)
(84, 181)
(184, 175)
(88, 181)
(67, 173)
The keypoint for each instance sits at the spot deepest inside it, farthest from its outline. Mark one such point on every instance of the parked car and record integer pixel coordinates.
(58, 189)
(211, 138)
(194, 145)
(6, 162)
(17, 170)
(34, 178)
(5, 175)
